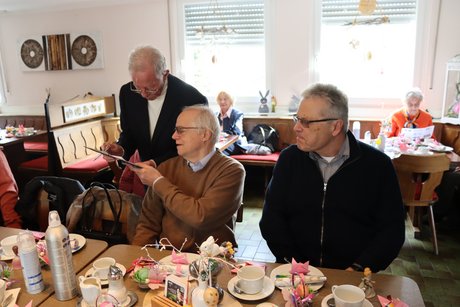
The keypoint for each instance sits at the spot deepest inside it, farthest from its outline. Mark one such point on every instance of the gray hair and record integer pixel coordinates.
(414, 93)
(337, 100)
(147, 55)
(206, 119)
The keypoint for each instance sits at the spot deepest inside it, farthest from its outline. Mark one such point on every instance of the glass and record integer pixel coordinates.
(181, 130)
(306, 123)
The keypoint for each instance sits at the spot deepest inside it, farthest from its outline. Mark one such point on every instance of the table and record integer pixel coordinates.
(225, 142)
(401, 287)
(13, 148)
(91, 250)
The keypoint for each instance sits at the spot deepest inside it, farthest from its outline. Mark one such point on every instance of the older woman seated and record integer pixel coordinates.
(230, 120)
(8, 196)
(410, 115)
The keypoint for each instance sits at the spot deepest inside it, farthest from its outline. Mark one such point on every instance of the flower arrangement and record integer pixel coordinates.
(299, 294)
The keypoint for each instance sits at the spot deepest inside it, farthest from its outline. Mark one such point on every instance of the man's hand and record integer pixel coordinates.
(147, 173)
(113, 149)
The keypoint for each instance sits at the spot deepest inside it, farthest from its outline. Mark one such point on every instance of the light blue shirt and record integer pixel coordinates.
(199, 165)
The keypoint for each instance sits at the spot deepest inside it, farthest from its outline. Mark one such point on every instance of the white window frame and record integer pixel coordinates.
(178, 48)
(3, 85)
(425, 49)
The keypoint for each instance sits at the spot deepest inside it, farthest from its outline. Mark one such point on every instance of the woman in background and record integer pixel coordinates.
(8, 196)
(410, 115)
(230, 120)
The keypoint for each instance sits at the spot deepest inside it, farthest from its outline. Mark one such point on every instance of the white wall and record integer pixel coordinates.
(125, 26)
(122, 26)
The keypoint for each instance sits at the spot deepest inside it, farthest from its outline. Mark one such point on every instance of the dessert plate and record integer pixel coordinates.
(269, 287)
(80, 242)
(285, 268)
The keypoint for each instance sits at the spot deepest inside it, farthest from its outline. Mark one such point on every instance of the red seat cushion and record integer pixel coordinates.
(39, 163)
(89, 165)
(266, 158)
(36, 146)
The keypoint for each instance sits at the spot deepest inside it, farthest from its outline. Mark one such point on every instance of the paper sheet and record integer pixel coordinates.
(418, 133)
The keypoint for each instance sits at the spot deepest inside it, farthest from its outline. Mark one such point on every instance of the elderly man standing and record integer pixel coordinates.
(194, 195)
(332, 200)
(149, 105)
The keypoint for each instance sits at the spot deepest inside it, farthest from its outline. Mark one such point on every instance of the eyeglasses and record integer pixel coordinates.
(148, 91)
(181, 130)
(306, 123)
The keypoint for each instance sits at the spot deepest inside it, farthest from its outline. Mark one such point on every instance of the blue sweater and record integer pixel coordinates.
(358, 217)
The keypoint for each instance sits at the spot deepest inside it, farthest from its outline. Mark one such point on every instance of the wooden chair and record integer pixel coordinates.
(418, 177)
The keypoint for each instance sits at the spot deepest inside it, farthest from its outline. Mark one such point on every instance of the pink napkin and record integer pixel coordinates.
(299, 267)
(396, 302)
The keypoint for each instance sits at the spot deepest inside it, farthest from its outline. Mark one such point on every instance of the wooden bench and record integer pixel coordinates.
(67, 154)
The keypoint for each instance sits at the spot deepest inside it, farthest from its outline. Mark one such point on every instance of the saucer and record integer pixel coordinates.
(131, 300)
(269, 287)
(90, 272)
(366, 303)
(285, 268)
(5, 257)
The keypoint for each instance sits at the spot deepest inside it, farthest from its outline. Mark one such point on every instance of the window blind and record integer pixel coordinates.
(243, 20)
(346, 11)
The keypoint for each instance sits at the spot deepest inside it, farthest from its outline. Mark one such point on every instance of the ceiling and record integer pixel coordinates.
(12, 6)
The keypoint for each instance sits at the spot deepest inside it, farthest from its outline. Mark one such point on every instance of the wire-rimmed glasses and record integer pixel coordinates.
(306, 123)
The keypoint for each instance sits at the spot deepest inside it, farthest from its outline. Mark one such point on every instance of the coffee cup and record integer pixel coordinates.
(7, 245)
(101, 267)
(90, 289)
(251, 279)
(348, 296)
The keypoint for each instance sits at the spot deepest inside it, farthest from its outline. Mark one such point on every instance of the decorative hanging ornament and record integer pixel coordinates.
(367, 7)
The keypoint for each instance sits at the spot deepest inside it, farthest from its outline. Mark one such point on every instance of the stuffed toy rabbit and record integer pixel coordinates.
(263, 108)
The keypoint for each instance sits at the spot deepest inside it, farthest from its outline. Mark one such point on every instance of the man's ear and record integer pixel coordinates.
(206, 135)
(338, 127)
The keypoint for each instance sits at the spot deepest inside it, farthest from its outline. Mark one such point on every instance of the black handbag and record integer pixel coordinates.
(100, 218)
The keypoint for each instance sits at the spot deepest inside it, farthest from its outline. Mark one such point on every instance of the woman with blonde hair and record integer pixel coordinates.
(230, 120)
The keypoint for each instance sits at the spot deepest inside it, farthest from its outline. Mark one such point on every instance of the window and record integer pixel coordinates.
(368, 56)
(224, 46)
(2, 83)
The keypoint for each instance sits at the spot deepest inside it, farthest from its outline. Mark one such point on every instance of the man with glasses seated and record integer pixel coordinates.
(149, 105)
(332, 200)
(195, 195)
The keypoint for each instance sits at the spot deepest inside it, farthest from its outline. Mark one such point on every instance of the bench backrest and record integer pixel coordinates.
(71, 141)
(283, 125)
(36, 121)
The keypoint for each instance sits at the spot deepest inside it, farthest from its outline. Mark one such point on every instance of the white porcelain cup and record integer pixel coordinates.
(90, 289)
(7, 245)
(101, 267)
(251, 279)
(2, 289)
(348, 296)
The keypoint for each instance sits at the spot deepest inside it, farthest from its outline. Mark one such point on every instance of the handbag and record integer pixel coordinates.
(100, 218)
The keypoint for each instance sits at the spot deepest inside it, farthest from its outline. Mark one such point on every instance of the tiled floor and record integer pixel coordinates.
(437, 276)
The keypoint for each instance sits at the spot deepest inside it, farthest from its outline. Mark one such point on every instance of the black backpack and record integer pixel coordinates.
(264, 135)
(61, 192)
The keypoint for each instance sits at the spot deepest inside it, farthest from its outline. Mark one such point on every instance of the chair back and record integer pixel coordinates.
(419, 175)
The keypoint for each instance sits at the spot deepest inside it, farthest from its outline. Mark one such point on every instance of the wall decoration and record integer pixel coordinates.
(32, 53)
(86, 50)
(61, 52)
(84, 110)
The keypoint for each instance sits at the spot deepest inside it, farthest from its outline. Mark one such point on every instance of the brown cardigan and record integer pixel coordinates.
(192, 205)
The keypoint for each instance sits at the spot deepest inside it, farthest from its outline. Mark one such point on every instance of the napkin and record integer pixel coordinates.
(15, 293)
(395, 302)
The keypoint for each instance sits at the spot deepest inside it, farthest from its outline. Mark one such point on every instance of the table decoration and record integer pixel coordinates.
(367, 284)
(391, 302)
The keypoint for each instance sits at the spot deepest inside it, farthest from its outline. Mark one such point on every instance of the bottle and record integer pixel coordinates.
(60, 257)
(381, 141)
(274, 103)
(117, 285)
(31, 268)
(357, 129)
